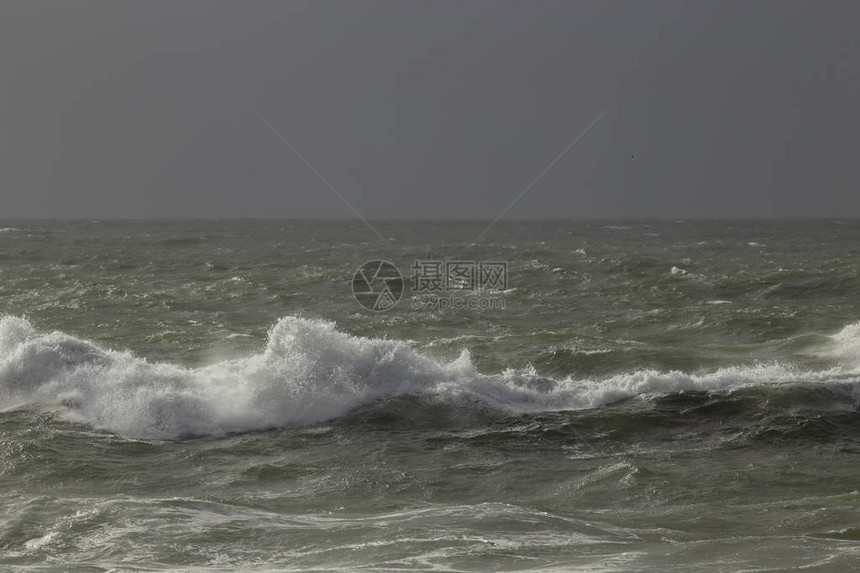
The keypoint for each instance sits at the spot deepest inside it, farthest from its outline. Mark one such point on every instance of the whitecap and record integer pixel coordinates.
(310, 372)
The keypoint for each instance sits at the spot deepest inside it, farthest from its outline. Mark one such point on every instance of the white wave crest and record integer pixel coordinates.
(307, 373)
(844, 346)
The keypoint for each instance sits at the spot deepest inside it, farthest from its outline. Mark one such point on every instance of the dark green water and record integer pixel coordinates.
(653, 396)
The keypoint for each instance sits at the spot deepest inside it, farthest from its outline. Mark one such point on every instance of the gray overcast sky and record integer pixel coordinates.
(429, 109)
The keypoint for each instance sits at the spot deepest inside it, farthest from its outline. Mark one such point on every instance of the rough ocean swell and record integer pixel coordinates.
(654, 396)
(310, 372)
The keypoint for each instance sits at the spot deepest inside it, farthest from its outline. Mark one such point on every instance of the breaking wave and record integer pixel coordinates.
(310, 372)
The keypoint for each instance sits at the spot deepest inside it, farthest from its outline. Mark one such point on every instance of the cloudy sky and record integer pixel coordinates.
(439, 109)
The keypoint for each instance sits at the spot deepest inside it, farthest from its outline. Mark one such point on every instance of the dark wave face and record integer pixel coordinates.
(653, 395)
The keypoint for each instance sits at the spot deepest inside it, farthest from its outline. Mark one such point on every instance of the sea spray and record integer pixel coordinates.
(310, 372)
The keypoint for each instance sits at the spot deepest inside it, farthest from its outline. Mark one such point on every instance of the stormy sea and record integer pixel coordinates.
(635, 395)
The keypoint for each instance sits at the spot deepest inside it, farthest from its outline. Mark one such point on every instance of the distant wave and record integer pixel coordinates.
(310, 372)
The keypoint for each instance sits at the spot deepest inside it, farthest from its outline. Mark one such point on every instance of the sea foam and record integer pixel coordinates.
(844, 346)
(308, 372)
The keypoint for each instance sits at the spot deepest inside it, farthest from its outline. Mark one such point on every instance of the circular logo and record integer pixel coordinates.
(377, 285)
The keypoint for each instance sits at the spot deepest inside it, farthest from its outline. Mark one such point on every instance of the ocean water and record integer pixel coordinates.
(642, 396)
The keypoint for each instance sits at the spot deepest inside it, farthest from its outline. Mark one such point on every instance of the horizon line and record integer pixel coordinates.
(670, 218)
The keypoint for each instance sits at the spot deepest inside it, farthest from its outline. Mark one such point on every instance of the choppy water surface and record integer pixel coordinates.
(654, 395)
